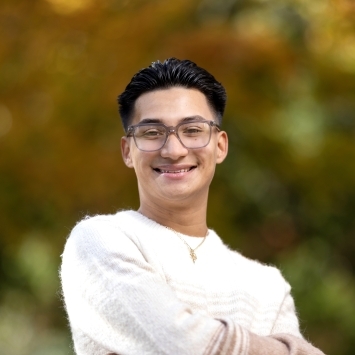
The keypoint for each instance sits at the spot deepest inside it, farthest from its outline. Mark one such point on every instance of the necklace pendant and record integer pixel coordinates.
(191, 251)
(193, 255)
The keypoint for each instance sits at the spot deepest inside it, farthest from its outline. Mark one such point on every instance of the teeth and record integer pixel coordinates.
(175, 171)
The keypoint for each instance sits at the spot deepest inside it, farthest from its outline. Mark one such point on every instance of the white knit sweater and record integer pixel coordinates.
(130, 288)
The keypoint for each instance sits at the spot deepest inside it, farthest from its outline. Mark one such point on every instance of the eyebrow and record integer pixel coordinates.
(185, 119)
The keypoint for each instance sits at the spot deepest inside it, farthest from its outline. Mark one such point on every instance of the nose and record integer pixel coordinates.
(173, 148)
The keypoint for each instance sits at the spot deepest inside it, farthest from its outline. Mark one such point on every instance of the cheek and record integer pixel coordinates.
(209, 157)
(141, 162)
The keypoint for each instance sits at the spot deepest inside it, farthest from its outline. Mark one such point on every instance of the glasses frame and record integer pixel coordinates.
(171, 130)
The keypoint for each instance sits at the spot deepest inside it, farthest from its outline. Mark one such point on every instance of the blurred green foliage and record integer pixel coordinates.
(285, 195)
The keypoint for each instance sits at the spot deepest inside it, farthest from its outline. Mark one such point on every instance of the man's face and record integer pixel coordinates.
(174, 173)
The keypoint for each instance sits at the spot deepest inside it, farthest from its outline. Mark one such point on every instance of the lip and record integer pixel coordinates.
(173, 170)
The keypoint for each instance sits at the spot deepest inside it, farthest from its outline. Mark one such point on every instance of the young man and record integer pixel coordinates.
(157, 280)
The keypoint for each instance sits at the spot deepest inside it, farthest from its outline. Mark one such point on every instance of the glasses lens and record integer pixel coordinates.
(150, 137)
(195, 134)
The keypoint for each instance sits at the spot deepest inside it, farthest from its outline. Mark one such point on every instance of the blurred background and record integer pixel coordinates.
(285, 195)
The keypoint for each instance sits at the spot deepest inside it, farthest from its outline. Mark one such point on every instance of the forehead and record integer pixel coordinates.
(171, 106)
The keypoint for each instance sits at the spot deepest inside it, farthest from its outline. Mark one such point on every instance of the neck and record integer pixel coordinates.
(184, 219)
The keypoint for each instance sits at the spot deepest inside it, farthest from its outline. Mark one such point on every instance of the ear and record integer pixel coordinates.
(222, 146)
(126, 151)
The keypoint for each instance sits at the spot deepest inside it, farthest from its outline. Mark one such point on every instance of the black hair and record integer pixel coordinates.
(170, 73)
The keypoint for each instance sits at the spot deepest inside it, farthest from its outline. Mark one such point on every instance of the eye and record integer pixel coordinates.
(192, 130)
(152, 133)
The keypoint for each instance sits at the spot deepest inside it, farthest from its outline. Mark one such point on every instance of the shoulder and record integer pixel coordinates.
(268, 277)
(103, 232)
(247, 270)
(105, 220)
(124, 221)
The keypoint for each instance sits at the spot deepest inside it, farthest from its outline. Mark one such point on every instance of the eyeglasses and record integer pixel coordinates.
(193, 134)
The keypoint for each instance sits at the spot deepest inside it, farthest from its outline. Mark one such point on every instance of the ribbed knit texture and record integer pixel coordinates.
(131, 288)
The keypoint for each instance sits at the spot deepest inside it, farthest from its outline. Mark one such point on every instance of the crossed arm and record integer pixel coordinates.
(117, 304)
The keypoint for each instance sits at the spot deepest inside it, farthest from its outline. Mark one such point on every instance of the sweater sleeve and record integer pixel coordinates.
(286, 320)
(118, 304)
(281, 344)
(285, 338)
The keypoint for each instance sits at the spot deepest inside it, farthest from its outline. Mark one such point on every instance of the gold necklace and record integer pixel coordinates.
(191, 251)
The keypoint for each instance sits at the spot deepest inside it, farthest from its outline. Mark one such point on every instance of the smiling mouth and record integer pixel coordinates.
(165, 171)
